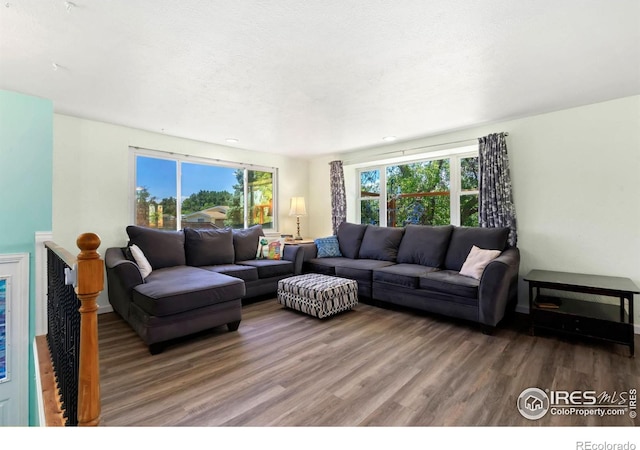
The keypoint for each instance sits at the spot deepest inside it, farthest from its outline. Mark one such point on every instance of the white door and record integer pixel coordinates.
(14, 339)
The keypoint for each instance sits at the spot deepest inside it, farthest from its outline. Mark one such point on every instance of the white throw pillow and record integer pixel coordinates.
(477, 260)
(141, 260)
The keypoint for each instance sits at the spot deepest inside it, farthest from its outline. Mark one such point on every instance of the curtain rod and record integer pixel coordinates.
(204, 159)
(422, 147)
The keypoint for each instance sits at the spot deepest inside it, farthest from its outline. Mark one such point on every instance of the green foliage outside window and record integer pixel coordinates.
(419, 193)
(203, 199)
(260, 199)
(370, 212)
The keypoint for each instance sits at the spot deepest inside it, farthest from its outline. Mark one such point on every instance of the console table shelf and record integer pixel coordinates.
(610, 322)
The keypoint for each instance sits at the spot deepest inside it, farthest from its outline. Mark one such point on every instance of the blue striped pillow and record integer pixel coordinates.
(328, 247)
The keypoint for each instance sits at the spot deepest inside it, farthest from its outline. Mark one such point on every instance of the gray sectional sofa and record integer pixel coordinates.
(418, 266)
(198, 281)
(200, 278)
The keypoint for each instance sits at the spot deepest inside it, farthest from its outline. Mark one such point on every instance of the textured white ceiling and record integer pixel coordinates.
(310, 77)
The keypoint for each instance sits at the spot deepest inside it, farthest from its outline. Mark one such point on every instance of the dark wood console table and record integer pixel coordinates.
(608, 322)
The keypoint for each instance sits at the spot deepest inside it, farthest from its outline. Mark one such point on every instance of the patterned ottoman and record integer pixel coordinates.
(318, 295)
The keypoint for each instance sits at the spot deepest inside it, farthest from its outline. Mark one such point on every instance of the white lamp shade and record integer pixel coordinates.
(297, 207)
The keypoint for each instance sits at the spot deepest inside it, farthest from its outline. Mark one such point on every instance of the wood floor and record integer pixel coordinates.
(368, 367)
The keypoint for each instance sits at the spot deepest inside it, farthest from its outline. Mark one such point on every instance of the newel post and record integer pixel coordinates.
(90, 283)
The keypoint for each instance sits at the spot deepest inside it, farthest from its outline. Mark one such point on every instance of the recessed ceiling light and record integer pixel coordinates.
(389, 138)
(231, 140)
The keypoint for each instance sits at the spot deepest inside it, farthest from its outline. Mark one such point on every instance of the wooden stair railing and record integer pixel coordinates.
(89, 283)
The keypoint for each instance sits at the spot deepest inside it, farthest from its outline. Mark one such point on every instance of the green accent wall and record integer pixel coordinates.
(26, 167)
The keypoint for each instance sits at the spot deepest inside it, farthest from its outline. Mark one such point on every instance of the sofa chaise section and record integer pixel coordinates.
(198, 280)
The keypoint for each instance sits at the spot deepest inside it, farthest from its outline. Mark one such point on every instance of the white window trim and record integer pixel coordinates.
(455, 189)
(181, 158)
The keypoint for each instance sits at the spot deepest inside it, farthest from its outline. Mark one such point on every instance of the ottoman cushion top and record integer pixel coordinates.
(315, 285)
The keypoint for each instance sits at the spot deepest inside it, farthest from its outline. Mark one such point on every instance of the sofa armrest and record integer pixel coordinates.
(294, 254)
(310, 251)
(498, 286)
(122, 276)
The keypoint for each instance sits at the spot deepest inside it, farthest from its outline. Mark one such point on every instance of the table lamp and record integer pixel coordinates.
(298, 209)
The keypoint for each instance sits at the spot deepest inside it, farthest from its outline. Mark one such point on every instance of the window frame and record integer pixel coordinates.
(455, 157)
(181, 158)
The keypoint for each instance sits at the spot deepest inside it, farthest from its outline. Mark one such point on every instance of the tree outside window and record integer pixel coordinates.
(431, 192)
(212, 196)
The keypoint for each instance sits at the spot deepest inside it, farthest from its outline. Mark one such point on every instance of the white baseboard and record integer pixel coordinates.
(105, 309)
(42, 421)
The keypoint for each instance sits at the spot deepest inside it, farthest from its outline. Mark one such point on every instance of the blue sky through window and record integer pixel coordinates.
(198, 177)
(159, 177)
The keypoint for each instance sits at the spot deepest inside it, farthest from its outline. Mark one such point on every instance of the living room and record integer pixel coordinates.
(574, 168)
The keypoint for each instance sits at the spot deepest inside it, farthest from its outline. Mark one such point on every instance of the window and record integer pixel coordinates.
(469, 176)
(418, 193)
(370, 197)
(212, 195)
(437, 191)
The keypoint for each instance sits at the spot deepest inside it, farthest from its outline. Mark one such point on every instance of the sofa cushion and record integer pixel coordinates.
(360, 269)
(245, 273)
(207, 247)
(463, 238)
(269, 268)
(381, 243)
(245, 242)
(350, 237)
(177, 289)
(326, 266)
(328, 247)
(450, 282)
(405, 275)
(424, 244)
(163, 248)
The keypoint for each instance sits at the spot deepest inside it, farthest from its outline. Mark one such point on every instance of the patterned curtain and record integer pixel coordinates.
(496, 208)
(338, 196)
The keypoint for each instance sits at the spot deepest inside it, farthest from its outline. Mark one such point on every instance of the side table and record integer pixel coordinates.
(303, 241)
(609, 322)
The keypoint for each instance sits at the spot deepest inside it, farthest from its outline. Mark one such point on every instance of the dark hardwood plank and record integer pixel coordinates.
(368, 367)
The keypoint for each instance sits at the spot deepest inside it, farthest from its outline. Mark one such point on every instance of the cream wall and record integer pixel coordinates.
(92, 187)
(576, 183)
(576, 177)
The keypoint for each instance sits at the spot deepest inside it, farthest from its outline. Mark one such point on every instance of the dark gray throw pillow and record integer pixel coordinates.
(162, 248)
(463, 238)
(349, 238)
(381, 243)
(206, 247)
(424, 244)
(245, 242)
